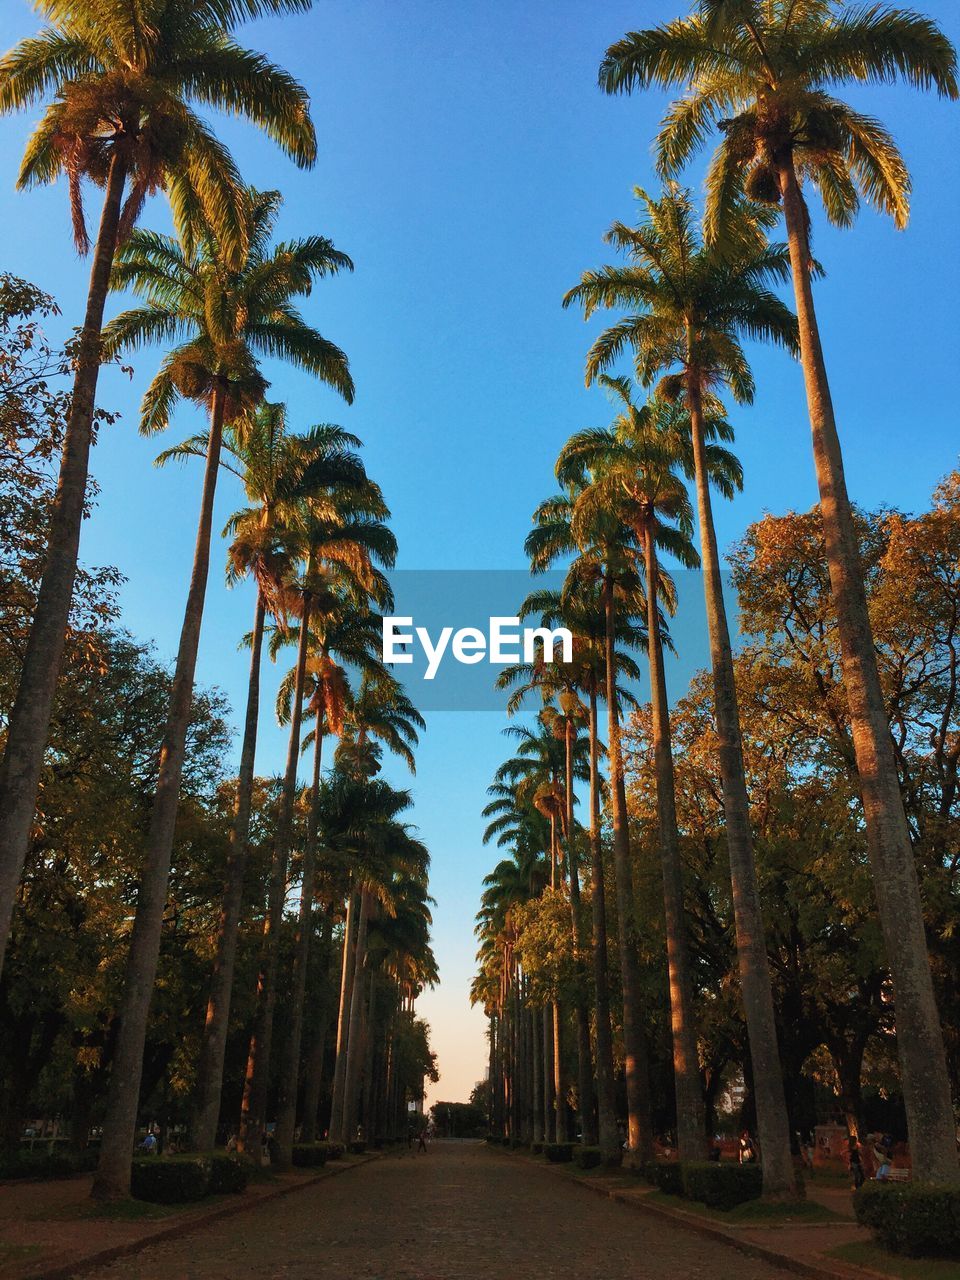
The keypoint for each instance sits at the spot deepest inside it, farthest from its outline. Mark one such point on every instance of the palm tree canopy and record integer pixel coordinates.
(764, 72)
(693, 303)
(121, 81)
(222, 319)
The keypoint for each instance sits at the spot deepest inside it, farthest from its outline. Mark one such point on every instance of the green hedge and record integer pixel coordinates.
(228, 1174)
(43, 1163)
(588, 1157)
(666, 1175)
(913, 1218)
(335, 1150)
(357, 1147)
(174, 1180)
(721, 1186)
(558, 1152)
(536, 1148)
(310, 1155)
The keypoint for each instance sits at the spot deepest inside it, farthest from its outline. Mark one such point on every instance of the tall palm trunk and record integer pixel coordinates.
(343, 1015)
(536, 1076)
(254, 1105)
(686, 1063)
(779, 1178)
(123, 1096)
(606, 1090)
(636, 1068)
(926, 1084)
(559, 1093)
(213, 1047)
(290, 1068)
(29, 722)
(549, 1111)
(351, 1078)
(584, 1063)
(313, 1081)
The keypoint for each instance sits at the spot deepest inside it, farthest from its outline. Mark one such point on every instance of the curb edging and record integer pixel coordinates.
(105, 1256)
(817, 1271)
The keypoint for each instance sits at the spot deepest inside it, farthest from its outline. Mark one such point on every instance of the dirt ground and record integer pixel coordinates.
(460, 1212)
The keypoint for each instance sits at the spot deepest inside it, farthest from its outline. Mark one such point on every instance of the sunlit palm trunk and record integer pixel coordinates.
(609, 1137)
(686, 1063)
(559, 1093)
(254, 1104)
(120, 1126)
(926, 1084)
(636, 1068)
(351, 1078)
(559, 1125)
(290, 1066)
(774, 1130)
(343, 1016)
(584, 1063)
(29, 722)
(213, 1047)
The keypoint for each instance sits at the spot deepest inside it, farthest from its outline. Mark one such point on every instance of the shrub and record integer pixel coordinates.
(515, 1144)
(335, 1150)
(310, 1155)
(173, 1180)
(357, 1147)
(536, 1148)
(558, 1152)
(665, 1175)
(918, 1219)
(228, 1174)
(720, 1186)
(587, 1157)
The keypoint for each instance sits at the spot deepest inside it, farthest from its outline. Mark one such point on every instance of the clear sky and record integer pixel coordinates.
(469, 165)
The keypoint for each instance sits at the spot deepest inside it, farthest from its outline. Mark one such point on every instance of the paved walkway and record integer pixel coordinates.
(461, 1212)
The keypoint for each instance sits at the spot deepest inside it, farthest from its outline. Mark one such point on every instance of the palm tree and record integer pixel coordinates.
(547, 762)
(519, 824)
(354, 638)
(119, 80)
(280, 472)
(579, 607)
(224, 318)
(605, 559)
(564, 718)
(769, 71)
(340, 577)
(631, 468)
(693, 304)
(360, 820)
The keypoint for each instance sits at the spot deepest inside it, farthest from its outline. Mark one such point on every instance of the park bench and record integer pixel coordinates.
(897, 1175)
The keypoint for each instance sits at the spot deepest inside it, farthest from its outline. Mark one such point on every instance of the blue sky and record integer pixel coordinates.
(469, 165)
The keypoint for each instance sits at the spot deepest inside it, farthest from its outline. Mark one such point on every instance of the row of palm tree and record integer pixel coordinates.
(219, 296)
(690, 294)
